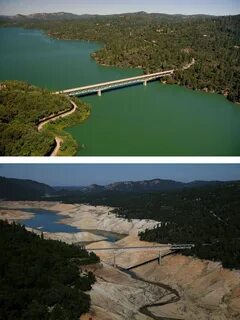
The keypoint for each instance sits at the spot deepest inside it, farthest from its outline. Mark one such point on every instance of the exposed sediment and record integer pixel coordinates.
(14, 215)
(187, 288)
(208, 290)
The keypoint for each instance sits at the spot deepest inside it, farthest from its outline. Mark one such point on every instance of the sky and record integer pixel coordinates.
(213, 7)
(86, 174)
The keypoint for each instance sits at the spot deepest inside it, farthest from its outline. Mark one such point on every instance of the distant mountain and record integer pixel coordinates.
(145, 185)
(154, 185)
(55, 16)
(72, 16)
(18, 189)
(48, 16)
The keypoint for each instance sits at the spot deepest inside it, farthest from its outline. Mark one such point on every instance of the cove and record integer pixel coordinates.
(32, 56)
(49, 221)
(157, 120)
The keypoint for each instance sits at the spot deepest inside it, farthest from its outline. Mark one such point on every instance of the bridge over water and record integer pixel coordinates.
(104, 86)
(162, 250)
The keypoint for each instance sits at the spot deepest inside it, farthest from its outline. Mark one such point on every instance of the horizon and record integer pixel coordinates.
(122, 181)
(76, 175)
(108, 7)
(110, 14)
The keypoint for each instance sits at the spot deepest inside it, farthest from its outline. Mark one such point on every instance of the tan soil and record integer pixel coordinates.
(13, 215)
(203, 284)
(208, 291)
(69, 238)
(87, 217)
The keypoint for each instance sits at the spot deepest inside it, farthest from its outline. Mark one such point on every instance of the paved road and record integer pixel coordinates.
(58, 140)
(165, 247)
(53, 118)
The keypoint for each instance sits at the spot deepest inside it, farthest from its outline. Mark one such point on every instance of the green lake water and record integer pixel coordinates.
(154, 120)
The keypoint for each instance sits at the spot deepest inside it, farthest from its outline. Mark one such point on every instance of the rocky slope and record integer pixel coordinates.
(101, 218)
(204, 285)
(207, 291)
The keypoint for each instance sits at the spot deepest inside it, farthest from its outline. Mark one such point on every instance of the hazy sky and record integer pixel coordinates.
(85, 174)
(215, 7)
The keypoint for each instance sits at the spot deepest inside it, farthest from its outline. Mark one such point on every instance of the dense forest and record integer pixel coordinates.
(203, 213)
(42, 279)
(20, 101)
(18, 189)
(207, 216)
(156, 42)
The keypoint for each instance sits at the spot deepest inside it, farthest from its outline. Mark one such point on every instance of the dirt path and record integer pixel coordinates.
(58, 140)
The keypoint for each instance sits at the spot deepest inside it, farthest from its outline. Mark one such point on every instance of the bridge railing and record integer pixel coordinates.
(164, 247)
(110, 83)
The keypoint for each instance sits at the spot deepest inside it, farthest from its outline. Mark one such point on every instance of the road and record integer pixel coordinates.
(58, 140)
(189, 64)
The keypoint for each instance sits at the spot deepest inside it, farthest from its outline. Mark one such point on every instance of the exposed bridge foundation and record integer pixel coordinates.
(161, 251)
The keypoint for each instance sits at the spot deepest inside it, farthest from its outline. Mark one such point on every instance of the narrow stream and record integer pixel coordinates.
(170, 291)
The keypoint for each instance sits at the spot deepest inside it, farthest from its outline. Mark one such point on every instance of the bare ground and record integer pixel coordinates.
(207, 291)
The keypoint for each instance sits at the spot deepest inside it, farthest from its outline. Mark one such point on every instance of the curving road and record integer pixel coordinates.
(187, 66)
(58, 140)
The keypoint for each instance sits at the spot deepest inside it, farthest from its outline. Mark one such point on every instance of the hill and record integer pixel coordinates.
(205, 214)
(200, 212)
(154, 185)
(42, 279)
(22, 107)
(71, 16)
(18, 189)
(156, 42)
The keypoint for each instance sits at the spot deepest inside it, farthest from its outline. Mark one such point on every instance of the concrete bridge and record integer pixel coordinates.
(104, 86)
(162, 250)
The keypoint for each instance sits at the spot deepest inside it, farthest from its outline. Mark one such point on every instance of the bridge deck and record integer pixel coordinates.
(146, 248)
(115, 82)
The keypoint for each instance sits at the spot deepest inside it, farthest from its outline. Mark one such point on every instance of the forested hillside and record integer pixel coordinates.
(18, 189)
(159, 42)
(207, 216)
(42, 279)
(22, 106)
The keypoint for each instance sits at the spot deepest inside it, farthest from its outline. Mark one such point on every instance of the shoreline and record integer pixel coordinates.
(205, 291)
(94, 57)
(56, 125)
(58, 140)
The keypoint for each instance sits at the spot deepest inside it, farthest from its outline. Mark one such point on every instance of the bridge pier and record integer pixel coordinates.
(114, 259)
(145, 83)
(160, 258)
(99, 93)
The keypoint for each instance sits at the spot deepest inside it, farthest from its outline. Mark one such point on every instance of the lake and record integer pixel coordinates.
(157, 120)
(49, 221)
